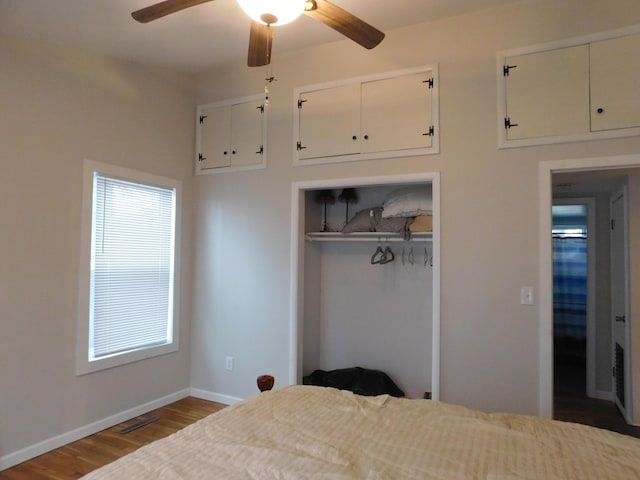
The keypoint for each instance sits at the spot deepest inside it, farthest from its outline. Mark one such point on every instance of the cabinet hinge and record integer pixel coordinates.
(508, 124)
(430, 133)
(506, 68)
(300, 102)
(201, 157)
(261, 150)
(429, 82)
(261, 108)
(299, 146)
(202, 117)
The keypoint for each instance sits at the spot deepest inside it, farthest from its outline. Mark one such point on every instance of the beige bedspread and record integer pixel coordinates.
(313, 432)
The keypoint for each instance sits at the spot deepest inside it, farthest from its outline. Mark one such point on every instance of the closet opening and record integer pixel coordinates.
(365, 298)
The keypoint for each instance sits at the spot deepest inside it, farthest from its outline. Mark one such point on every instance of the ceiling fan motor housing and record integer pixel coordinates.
(273, 12)
(269, 18)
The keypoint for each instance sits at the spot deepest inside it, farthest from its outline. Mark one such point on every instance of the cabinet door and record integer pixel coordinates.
(246, 133)
(330, 122)
(396, 113)
(215, 137)
(547, 93)
(615, 83)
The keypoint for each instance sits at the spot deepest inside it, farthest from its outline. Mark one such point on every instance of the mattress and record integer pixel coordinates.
(302, 432)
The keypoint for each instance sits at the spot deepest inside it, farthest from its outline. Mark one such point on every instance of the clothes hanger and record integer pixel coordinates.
(387, 255)
(379, 252)
(428, 259)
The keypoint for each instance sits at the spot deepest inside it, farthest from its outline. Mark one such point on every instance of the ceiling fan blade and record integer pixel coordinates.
(344, 22)
(260, 40)
(159, 10)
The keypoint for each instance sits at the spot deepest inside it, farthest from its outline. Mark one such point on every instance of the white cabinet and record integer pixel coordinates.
(329, 122)
(615, 83)
(580, 89)
(389, 115)
(230, 135)
(396, 113)
(548, 93)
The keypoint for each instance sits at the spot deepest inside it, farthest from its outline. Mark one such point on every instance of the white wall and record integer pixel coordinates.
(489, 198)
(59, 107)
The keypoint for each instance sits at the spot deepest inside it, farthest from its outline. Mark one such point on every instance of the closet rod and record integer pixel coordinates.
(562, 235)
(368, 237)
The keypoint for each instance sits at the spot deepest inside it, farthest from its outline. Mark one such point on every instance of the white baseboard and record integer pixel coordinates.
(215, 397)
(8, 461)
(602, 395)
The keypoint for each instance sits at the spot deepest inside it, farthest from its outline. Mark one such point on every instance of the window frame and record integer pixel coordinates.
(84, 364)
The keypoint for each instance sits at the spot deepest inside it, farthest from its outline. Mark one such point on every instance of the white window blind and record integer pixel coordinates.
(132, 266)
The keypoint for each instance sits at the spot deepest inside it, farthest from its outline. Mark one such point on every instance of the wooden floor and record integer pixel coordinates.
(79, 458)
(571, 403)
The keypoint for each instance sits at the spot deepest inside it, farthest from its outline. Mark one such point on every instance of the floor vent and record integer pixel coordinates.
(139, 424)
(620, 373)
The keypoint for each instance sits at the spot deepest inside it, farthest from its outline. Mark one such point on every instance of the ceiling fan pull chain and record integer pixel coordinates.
(268, 79)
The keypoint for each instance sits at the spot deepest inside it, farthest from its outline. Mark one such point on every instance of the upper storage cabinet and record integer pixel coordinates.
(389, 115)
(615, 83)
(581, 89)
(230, 135)
(547, 93)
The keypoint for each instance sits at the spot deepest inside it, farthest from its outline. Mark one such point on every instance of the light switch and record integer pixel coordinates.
(526, 296)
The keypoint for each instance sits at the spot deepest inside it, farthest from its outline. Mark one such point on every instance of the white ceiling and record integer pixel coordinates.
(201, 37)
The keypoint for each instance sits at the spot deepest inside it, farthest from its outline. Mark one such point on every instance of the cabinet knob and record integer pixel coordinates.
(233, 152)
(225, 152)
(366, 137)
(354, 138)
(600, 110)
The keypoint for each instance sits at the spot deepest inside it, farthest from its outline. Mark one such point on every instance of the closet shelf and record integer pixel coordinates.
(366, 237)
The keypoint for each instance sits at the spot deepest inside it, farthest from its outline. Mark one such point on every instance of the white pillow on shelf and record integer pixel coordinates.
(408, 202)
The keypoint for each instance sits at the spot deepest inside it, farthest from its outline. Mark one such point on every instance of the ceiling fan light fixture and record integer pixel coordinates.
(273, 12)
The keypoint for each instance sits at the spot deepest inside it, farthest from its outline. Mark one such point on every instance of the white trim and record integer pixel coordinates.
(364, 78)
(572, 42)
(411, 152)
(58, 441)
(545, 326)
(504, 142)
(602, 395)
(214, 397)
(622, 195)
(83, 364)
(297, 263)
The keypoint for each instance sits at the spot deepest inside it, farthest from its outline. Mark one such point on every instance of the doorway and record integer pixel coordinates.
(580, 177)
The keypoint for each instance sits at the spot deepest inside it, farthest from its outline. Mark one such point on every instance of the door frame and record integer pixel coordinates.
(591, 286)
(296, 320)
(545, 321)
(627, 408)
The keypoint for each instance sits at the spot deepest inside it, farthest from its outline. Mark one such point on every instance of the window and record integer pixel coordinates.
(128, 267)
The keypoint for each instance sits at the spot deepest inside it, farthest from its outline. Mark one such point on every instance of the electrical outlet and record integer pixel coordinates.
(228, 363)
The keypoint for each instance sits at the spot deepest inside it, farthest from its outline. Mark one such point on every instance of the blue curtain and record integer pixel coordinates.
(570, 287)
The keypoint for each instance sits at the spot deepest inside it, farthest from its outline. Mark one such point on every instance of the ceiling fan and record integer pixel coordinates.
(266, 14)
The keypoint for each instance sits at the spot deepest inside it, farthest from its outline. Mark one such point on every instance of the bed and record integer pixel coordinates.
(301, 432)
